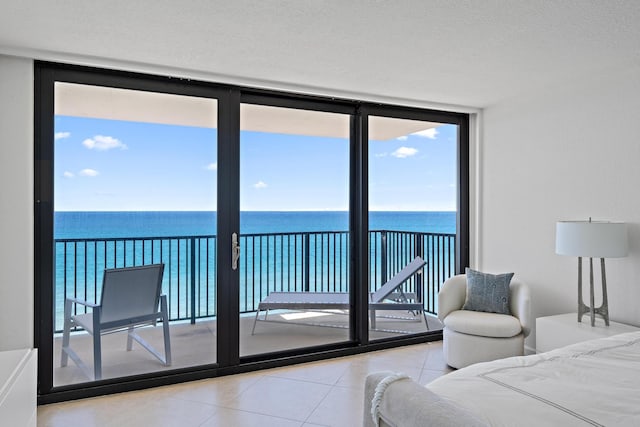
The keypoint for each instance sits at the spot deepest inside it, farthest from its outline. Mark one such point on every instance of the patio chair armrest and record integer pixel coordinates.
(81, 302)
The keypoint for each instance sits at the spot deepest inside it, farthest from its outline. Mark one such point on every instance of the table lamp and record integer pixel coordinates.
(593, 239)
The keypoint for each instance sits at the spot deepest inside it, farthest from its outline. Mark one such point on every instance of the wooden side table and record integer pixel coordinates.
(558, 331)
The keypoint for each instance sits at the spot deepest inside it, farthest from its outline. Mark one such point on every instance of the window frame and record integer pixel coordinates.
(229, 97)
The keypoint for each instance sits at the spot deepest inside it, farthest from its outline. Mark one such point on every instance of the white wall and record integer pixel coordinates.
(572, 152)
(16, 203)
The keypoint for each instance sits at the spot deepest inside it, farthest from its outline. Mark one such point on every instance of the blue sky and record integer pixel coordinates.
(109, 165)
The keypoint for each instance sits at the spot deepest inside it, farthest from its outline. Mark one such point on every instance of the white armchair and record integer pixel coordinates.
(471, 336)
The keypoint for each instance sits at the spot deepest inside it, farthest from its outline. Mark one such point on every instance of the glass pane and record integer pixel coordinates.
(412, 213)
(135, 185)
(294, 264)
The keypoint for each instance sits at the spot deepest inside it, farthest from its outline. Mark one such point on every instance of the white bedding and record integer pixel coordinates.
(591, 383)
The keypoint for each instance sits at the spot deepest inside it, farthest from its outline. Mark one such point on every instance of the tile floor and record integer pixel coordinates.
(195, 344)
(325, 393)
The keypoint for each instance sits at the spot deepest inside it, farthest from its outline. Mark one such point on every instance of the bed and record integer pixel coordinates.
(593, 383)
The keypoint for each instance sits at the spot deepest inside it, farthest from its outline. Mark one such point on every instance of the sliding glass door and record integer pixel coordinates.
(283, 227)
(134, 185)
(413, 217)
(294, 228)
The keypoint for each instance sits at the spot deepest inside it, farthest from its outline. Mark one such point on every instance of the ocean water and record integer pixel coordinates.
(86, 225)
(313, 254)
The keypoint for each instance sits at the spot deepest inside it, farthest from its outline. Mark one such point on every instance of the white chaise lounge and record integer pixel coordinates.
(340, 300)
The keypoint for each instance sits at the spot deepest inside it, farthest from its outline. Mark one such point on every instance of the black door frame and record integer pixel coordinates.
(269, 99)
(46, 75)
(229, 100)
(462, 172)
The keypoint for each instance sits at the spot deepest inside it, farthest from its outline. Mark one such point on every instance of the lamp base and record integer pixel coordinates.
(603, 310)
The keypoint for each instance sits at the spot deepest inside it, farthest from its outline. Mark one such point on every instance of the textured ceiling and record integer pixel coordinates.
(468, 53)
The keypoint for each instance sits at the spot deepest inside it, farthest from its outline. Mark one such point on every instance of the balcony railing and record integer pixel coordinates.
(304, 261)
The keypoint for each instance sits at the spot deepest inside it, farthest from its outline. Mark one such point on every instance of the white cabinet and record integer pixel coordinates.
(18, 387)
(558, 331)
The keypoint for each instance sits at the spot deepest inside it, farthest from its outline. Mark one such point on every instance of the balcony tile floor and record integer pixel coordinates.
(324, 393)
(193, 345)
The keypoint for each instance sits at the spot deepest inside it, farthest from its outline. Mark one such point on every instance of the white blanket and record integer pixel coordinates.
(591, 383)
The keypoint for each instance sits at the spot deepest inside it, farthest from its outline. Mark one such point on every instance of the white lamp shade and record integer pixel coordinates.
(594, 239)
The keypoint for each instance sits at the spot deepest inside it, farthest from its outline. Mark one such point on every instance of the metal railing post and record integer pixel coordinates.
(383, 257)
(307, 261)
(420, 276)
(193, 280)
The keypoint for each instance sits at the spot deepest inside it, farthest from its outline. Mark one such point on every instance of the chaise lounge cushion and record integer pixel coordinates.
(483, 324)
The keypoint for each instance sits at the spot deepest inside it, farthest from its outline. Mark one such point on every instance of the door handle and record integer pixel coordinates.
(235, 251)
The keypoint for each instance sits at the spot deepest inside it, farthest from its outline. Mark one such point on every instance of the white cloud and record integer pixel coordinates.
(402, 138)
(89, 172)
(427, 133)
(68, 174)
(260, 184)
(212, 167)
(380, 155)
(403, 152)
(61, 135)
(103, 143)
